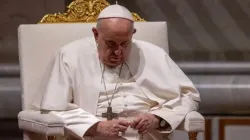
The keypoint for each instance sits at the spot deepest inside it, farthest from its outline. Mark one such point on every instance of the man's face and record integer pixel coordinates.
(114, 37)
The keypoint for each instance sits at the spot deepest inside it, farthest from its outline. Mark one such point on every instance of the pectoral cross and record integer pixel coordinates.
(109, 114)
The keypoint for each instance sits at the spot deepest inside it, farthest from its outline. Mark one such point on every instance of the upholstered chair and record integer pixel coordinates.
(38, 42)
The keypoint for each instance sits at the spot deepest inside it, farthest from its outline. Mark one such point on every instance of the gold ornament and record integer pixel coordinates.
(81, 11)
(192, 135)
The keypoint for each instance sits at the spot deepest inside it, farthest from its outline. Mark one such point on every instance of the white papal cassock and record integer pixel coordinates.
(149, 82)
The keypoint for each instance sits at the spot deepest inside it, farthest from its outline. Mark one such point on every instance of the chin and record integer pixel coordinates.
(114, 64)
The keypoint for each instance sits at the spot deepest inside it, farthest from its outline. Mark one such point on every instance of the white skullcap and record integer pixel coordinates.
(117, 11)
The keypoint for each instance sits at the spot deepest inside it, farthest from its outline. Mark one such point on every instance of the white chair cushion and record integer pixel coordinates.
(34, 121)
(194, 122)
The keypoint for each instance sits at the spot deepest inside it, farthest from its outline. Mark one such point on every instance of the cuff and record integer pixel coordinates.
(167, 130)
(79, 130)
(77, 121)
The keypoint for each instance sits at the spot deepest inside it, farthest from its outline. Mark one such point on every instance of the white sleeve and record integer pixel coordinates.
(76, 121)
(57, 88)
(188, 101)
(58, 96)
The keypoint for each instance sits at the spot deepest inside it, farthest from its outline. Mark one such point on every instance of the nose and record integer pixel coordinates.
(118, 51)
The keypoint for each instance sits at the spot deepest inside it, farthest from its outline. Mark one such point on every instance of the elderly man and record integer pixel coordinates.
(111, 86)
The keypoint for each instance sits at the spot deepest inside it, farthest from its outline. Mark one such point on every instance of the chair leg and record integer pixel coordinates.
(51, 138)
(192, 135)
(58, 138)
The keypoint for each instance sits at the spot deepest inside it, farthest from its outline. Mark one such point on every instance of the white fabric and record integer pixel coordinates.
(37, 44)
(128, 101)
(46, 124)
(77, 121)
(194, 122)
(76, 68)
(128, 96)
(115, 11)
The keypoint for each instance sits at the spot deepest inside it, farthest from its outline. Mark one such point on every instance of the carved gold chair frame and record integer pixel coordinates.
(87, 11)
(81, 11)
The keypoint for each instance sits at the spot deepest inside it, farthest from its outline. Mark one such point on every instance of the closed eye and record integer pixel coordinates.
(125, 44)
(110, 43)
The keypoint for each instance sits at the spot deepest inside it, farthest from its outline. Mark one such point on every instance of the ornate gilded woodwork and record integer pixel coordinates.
(81, 11)
(51, 137)
(192, 135)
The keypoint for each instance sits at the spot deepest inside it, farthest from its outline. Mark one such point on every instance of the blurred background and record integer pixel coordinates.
(208, 39)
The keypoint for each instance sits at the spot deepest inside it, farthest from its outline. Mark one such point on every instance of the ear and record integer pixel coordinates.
(134, 31)
(95, 32)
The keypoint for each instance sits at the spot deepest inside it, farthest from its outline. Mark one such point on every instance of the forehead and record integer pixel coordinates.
(114, 27)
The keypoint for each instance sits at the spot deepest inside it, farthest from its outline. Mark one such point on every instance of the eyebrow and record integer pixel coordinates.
(112, 41)
(125, 42)
(108, 40)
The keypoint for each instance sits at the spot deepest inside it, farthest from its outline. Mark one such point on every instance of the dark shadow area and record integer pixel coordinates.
(9, 130)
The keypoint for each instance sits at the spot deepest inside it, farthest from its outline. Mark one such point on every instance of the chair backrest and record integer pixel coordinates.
(37, 43)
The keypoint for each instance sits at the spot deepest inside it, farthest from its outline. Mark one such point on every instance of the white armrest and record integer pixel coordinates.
(194, 122)
(34, 121)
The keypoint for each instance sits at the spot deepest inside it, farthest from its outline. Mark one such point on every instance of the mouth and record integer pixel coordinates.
(115, 59)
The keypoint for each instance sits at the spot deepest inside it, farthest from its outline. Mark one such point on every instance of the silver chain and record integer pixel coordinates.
(105, 87)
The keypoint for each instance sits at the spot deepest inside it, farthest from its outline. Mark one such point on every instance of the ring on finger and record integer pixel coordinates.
(120, 133)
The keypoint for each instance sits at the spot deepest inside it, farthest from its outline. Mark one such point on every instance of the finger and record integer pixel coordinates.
(115, 128)
(123, 122)
(118, 128)
(135, 122)
(141, 124)
(122, 128)
(114, 134)
(146, 124)
(142, 128)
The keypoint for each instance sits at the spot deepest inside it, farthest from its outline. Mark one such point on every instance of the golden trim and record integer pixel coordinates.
(223, 122)
(192, 135)
(81, 11)
(51, 137)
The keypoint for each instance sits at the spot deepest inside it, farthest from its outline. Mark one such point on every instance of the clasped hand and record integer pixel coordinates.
(143, 123)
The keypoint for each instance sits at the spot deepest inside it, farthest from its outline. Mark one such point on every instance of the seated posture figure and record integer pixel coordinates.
(111, 86)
